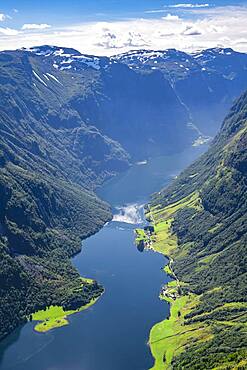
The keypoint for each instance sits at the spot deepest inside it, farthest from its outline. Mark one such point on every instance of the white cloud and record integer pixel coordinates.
(15, 10)
(8, 31)
(191, 31)
(200, 28)
(34, 26)
(110, 40)
(154, 11)
(188, 6)
(177, 7)
(4, 17)
(170, 17)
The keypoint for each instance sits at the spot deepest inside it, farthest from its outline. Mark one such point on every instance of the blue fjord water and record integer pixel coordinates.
(113, 334)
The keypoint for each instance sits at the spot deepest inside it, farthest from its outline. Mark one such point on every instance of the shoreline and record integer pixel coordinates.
(168, 337)
(55, 317)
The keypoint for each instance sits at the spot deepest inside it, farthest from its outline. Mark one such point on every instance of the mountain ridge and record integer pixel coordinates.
(200, 224)
(217, 73)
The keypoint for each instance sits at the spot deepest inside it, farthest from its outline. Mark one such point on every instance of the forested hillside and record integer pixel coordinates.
(50, 162)
(200, 223)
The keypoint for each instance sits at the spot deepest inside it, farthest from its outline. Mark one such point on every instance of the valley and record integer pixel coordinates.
(84, 143)
(130, 304)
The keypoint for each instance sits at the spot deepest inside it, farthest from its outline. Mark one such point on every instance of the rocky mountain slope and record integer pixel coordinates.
(200, 223)
(205, 82)
(141, 112)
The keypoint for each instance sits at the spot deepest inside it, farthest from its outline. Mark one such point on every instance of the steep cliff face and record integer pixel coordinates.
(207, 206)
(206, 82)
(140, 111)
(38, 118)
(50, 162)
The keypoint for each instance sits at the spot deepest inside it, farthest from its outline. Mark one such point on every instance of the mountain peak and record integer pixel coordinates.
(48, 50)
(65, 58)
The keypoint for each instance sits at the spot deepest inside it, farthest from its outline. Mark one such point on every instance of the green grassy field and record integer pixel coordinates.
(168, 337)
(55, 316)
(140, 235)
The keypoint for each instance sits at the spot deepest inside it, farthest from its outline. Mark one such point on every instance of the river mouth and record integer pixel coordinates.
(113, 334)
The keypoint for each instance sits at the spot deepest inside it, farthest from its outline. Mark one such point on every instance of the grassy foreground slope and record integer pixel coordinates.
(200, 223)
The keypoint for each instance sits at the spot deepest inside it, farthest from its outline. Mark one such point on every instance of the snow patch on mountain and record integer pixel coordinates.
(54, 78)
(39, 78)
(66, 56)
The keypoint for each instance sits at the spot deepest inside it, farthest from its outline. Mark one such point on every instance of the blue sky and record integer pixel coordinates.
(112, 26)
(60, 12)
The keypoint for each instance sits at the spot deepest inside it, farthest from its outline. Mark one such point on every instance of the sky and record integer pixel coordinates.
(108, 27)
